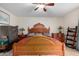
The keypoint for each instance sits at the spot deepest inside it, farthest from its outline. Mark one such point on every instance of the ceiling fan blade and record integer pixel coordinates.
(50, 4)
(44, 9)
(36, 8)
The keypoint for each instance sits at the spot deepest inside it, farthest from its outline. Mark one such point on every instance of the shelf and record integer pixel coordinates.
(71, 40)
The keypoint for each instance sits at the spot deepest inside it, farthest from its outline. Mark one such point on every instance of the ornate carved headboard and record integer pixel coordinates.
(38, 28)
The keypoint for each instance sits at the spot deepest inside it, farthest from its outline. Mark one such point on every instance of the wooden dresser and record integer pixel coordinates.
(58, 36)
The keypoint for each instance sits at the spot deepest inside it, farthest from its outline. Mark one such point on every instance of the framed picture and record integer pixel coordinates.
(4, 18)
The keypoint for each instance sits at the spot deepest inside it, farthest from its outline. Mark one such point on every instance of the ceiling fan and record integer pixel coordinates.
(44, 5)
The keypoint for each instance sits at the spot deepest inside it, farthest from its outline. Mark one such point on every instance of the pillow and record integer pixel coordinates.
(31, 34)
(46, 34)
(3, 36)
(38, 34)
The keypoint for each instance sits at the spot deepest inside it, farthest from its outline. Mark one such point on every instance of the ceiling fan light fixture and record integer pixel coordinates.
(42, 6)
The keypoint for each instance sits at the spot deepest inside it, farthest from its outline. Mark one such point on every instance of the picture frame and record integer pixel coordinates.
(4, 18)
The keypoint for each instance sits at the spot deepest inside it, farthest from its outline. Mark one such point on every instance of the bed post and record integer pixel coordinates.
(14, 49)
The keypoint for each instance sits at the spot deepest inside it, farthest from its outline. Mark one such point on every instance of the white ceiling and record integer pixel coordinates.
(27, 9)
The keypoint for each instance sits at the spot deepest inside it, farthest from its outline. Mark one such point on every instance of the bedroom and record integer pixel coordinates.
(23, 15)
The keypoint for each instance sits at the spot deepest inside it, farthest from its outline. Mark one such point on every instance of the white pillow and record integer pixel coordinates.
(46, 34)
(31, 34)
(38, 34)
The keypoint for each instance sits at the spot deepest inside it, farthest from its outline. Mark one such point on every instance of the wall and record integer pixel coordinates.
(71, 19)
(13, 18)
(52, 22)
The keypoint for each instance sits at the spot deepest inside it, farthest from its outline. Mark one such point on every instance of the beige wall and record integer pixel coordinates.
(52, 22)
(71, 19)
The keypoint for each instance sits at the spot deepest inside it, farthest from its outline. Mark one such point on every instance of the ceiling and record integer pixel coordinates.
(27, 9)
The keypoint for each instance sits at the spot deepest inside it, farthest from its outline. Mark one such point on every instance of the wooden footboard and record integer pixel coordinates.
(17, 52)
(37, 46)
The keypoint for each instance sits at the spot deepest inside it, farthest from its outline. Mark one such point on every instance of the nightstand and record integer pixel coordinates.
(58, 36)
(22, 36)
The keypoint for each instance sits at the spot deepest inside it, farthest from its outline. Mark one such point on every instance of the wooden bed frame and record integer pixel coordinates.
(38, 45)
(38, 28)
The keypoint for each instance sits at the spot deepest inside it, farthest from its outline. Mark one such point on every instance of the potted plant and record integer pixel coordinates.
(60, 29)
(21, 30)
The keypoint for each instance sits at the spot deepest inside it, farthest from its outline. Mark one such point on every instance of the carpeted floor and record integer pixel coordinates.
(71, 52)
(68, 52)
